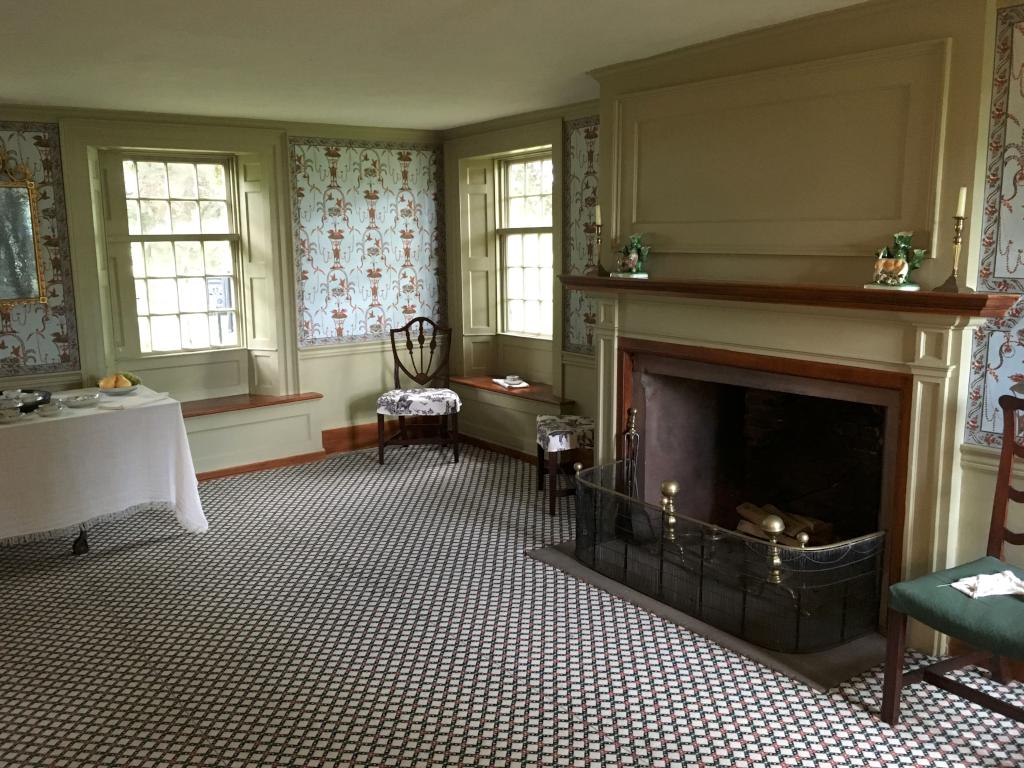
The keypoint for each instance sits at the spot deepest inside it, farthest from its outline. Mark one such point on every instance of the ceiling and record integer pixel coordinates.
(429, 64)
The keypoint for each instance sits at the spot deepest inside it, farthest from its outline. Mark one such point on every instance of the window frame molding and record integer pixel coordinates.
(270, 359)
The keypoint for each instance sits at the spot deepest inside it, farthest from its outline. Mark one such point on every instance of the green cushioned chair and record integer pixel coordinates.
(992, 625)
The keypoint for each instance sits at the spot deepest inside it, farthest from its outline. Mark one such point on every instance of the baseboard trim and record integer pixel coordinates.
(355, 437)
(287, 461)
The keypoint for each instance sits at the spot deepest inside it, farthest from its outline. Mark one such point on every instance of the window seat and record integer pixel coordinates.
(542, 393)
(210, 406)
(505, 418)
(242, 433)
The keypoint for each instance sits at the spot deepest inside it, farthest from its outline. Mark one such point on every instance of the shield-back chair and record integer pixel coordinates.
(994, 626)
(421, 350)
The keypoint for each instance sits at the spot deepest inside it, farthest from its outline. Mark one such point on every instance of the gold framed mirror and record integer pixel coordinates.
(21, 249)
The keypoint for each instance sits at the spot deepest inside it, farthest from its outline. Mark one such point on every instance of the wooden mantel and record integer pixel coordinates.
(920, 302)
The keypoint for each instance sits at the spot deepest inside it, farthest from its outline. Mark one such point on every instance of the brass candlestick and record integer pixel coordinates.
(952, 284)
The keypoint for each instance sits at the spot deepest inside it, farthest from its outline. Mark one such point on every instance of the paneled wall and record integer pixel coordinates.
(37, 338)
(579, 245)
(368, 238)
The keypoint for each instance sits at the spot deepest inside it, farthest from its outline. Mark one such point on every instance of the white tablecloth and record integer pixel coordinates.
(59, 472)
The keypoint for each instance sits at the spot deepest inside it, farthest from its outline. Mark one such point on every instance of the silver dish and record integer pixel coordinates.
(82, 401)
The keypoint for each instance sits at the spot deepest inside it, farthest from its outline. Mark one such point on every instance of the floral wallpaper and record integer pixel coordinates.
(369, 240)
(997, 359)
(40, 338)
(580, 239)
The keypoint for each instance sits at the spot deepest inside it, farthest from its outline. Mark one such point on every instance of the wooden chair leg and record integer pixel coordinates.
(1000, 670)
(380, 438)
(455, 436)
(401, 428)
(540, 467)
(895, 649)
(552, 481)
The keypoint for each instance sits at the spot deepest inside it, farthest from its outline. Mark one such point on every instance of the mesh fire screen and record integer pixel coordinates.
(808, 599)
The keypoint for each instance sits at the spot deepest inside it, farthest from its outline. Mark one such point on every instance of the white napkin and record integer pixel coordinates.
(510, 385)
(987, 584)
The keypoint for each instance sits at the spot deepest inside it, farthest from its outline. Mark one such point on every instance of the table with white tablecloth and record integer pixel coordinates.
(58, 473)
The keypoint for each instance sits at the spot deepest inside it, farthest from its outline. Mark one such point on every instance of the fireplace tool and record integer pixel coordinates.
(631, 453)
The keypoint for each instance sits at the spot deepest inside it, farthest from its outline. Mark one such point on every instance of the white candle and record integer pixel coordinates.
(597, 214)
(961, 202)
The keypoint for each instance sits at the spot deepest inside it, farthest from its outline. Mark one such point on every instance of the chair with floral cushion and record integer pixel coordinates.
(993, 626)
(557, 435)
(421, 348)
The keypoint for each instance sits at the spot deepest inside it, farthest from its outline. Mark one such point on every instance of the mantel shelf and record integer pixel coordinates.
(919, 302)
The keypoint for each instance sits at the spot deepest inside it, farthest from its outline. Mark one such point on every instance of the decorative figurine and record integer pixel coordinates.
(633, 258)
(894, 264)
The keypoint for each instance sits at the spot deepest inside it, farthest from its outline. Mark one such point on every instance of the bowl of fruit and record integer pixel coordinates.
(119, 384)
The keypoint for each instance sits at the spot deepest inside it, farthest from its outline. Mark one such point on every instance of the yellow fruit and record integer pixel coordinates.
(107, 382)
(121, 381)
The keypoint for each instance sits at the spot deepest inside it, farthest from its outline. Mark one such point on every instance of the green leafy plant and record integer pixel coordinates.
(634, 243)
(902, 248)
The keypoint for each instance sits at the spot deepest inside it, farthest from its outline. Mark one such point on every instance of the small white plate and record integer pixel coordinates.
(119, 390)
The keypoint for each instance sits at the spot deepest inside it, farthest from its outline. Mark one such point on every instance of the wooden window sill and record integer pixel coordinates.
(540, 392)
(215, 405)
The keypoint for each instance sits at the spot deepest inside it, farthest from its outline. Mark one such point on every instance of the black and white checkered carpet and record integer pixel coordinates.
(341, 614)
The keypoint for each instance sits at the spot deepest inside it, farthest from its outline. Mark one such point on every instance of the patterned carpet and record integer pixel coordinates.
(342, 614)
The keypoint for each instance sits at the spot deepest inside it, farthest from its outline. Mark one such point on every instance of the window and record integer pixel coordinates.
(183, 240)
(525, 245)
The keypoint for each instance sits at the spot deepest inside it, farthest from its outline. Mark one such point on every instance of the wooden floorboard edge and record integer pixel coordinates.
(258, 466)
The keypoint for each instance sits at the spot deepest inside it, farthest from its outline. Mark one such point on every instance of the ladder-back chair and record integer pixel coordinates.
(992, 625)
(421, 350)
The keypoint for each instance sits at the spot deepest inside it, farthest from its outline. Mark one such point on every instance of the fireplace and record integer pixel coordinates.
(820, 445)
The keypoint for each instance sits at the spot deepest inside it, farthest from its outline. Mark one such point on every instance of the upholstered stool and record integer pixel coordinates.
(556, 435)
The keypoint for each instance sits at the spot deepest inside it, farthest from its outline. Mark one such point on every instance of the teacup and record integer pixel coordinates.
(511, 379)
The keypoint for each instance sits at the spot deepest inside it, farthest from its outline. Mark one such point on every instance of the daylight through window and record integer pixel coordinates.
(183, 242)
(525, 240)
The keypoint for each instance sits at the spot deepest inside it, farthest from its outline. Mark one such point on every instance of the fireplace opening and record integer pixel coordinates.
(736, 449)
(787, 476)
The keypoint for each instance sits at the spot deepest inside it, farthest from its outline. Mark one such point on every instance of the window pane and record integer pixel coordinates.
(535, 212)
(141, 298)
(220, 292)
(514, 251)
(514, 318)
(134, 220)
(182, 179)
(195, 331)
(546, 318)
(212, 182)
(166, 333)
(138, 261)
(533, 182)
(516, 179)
(530, 257)
(531, 283)
(517, 212)
(222, 330)
(514, 283)
(185, 216)
(163, 299)
(152, 180)
(215, 218)
(219, 259)
(547, 283)
(131, 183)
(188, 255)
(145, 343)
(545, 252)
(191, 295)
(156, 217)
(547, 176)
(532, 322)
(159, 260)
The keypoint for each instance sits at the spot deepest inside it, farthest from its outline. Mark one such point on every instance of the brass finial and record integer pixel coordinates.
(773, 525)
(803, 538)
(577, 468)
(669, 489)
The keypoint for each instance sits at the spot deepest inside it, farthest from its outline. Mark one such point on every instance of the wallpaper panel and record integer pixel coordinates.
(40, 338)
(580, 237)
(997, 358)
(369, 238)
